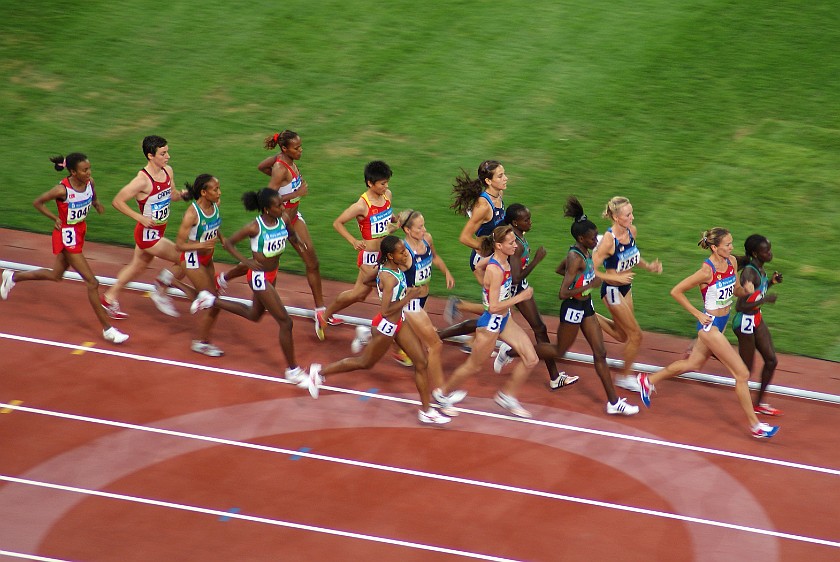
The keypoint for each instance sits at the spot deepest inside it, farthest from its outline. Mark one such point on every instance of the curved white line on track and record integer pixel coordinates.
(619, 434)
(685, 480)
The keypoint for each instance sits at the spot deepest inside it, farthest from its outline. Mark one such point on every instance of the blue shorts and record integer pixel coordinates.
(493, 322)
(719, 321)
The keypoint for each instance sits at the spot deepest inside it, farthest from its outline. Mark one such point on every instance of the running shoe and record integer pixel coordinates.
(362, 338)
(163, 302)
(335, 321)
(432, 417)
(320, 323)
(627, 382)
(621, 407)
(295, 375)
(402, 358)
(114, 336)
(7, 284)
(562, 380)
(221, 283)
(448, 400)
(204, 300)
(313, 381)
(451, 314)
(764, 431)
(512, 405)
(502, 358)
(767, 410)
(206, 348)
(165, 277)
(645, 388)
(112, 309)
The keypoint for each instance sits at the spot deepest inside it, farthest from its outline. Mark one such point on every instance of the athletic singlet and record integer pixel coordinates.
(761, 290)
(290, 187)
(207, 227)
(526, 250)
(420, 272)
(375, 223)
(76, 204)
(720, 292)
(156, 204)
(271, 240)
(398, 293)
(625, 256)
(587, 276)
(504, 289)
(498, 216)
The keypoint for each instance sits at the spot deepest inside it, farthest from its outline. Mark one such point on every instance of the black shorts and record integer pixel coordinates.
(573, 311)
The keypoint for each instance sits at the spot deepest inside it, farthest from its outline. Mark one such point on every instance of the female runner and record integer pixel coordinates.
(494, 323)
(286, 179)
(748, 323)
(268, 235)
(73, 196)
(196, 240)
(618, 252)
(388, 327)
(719, 286)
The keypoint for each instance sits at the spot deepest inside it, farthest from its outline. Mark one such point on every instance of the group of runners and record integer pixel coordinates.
(400, 268)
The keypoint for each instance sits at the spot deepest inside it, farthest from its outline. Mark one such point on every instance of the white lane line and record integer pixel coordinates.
(570, 355)
(254, 518)
(377, 396)
(433, 476)
(30, 556)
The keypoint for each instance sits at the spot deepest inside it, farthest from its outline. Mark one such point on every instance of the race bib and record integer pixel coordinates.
(258, 280)
(68, 237)
(387, 328)
(748, 324)
(191, 259)
(150, 235)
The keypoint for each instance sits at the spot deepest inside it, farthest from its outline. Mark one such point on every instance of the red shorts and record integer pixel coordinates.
(189, 259)
(262, 279)
(69, 239)
(386, 327)
(292, 213)
(368, 258)
(148, 237)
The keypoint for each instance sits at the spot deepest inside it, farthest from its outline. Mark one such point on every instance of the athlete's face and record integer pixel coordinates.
(212, 191)
(275, 208)
(400, 256)
(624, 216)
(293, 149)
(508, 244)
(724, 250)
(379, 187)
(417, 228)
(82, 171)
(589, 239)
(523, 221)
(764, 252)
(499, 179)
(161, 157)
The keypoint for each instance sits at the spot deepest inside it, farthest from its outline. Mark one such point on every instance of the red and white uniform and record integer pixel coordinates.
(72, 212)
(155, 206)
(373, 225)
(720, 292)
(290, 188)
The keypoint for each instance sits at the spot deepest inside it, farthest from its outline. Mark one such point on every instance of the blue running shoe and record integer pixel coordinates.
(764, 431)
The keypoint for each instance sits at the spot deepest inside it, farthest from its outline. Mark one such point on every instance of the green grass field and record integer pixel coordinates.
(704, 113)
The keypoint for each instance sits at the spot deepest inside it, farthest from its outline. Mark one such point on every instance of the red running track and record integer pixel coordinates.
(148, 451)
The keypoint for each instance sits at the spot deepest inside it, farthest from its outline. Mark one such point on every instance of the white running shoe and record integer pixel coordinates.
(512, 405)
(313, 381)
(363, 335)
(448, 400)
(432, 417)
(205, 299)
(295, 375)
(165, 277)
(562, 380)
(221, 283)
(7, 284)
(207, 349)
(163, 302)
(502, 358)
(621, 407)
(627, 382)
(114, 336)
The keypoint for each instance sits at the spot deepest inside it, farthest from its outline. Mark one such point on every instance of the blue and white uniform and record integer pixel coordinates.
(624, 258)
(420, 273)
(487, 228)
(496, 322)
(718, 294)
